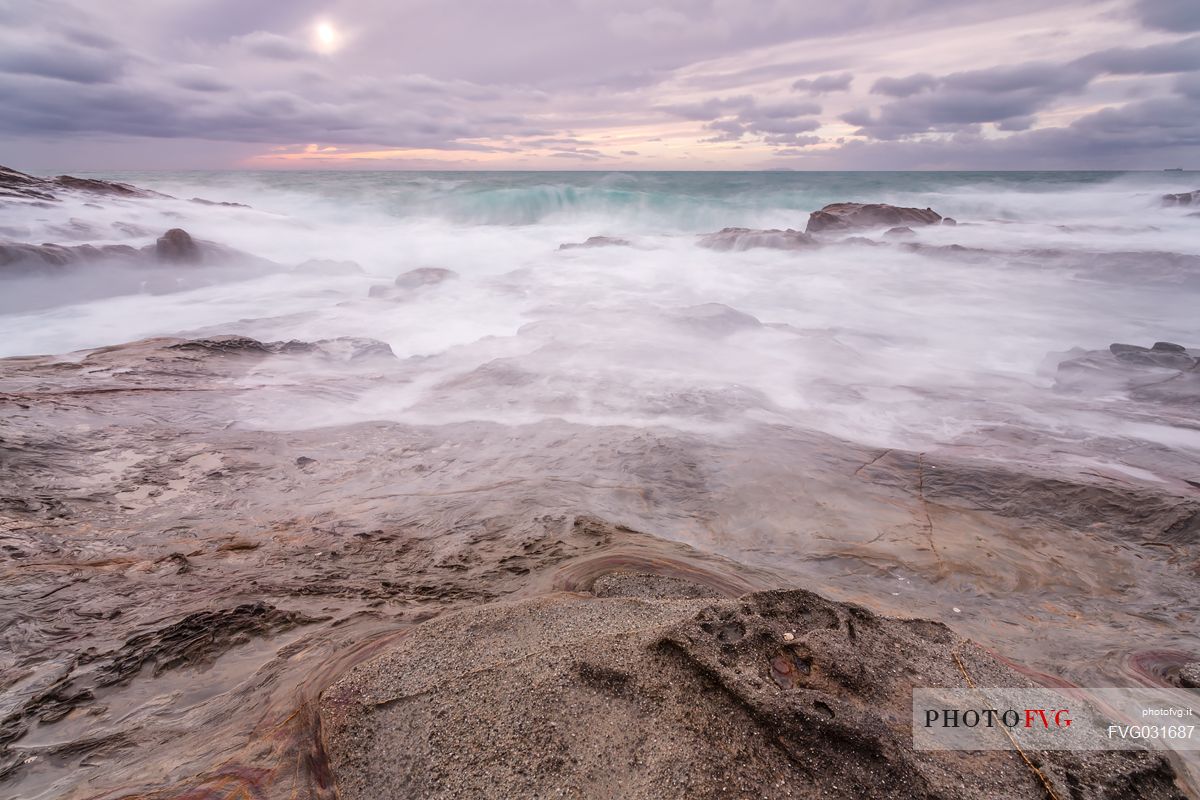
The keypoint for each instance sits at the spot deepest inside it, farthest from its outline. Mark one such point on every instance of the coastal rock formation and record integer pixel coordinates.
(424, 276)
(595, 241)
(1166, 372)
(408, 282)
(18, 185)
(851, 216)
(663, 692)
(1181, 199)
(177, 247)
(16, 258)
(746, 238)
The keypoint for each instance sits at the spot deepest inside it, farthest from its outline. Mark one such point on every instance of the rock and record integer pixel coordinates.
(177, 247)
(18, 185)
(16, 258)
(716, 319)
(1189, 675)
(949, 221)
(1135, 370)
(900, 232)
(1167, 356)
(380, 292)
(94, 186)
(1169, 347)
(595, 241)
(204, 202)
(696, 698)
(424, 276)
(746, 238)
(1181, 199)
(849, 216)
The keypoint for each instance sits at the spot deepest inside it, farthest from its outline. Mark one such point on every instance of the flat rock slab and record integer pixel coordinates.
(648, 692)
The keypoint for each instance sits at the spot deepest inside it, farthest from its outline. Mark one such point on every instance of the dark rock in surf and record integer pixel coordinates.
(18, 185)
(1181, 199)
(949, 221)
(203, 202)
(850, 216)
(746, 238)
(18, 259)
(1157, 356)
(595, 241)
(176, 246)
(94, 186)
(1143, 373)
(424, 276)
(901, 232)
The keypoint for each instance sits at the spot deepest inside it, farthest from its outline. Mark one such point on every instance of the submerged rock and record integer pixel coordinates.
(408, 282)
(850, 216)
(900, 232)
(424, 276)
(1166, 372)
(1181, 199)
(17, 258)
(778, 694)
(595, 241)
(746, 238)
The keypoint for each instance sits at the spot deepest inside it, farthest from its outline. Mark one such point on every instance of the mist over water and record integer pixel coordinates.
(884, 345)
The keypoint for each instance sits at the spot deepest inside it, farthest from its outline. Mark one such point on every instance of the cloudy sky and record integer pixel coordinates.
(599, 84)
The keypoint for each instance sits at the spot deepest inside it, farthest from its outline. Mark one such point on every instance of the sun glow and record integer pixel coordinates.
(326, 38)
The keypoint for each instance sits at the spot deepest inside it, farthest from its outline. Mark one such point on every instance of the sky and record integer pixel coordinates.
(599, 84)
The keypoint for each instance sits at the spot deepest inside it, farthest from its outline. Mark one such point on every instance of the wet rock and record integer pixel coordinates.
(196, 640)
(204, 202)
(716, 319)
(1171, 357)
(20, 186)
(94, 186)
(551, 692)
(949, 221)
(1160, 374)
(16, 258)
(595, 241)
(850, 216)
(1189, 675)
(1181, 199)
(424, 276)
(746, 238)
(901, 232)
(176, 246)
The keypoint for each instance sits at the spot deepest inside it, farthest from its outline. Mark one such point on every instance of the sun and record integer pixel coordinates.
(326, 38)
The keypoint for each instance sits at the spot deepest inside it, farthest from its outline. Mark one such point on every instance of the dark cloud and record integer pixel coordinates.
(1170, 15)
(1016, 123)
(904, 87)
(1181, 56)
(824, 84)
(528, 76)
